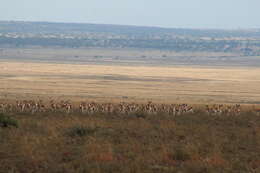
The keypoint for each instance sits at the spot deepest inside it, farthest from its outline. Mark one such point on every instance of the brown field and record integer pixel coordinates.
(191, 143)
(176, 84)
(65, 142)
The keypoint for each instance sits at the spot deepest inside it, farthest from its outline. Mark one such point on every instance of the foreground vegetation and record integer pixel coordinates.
(56, 142)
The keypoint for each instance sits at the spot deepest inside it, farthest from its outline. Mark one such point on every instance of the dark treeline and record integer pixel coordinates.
(173, 44)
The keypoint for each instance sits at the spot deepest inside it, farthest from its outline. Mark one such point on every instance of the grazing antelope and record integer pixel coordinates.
(31, 106)
(82, 107)
(257, 111)
(2, 107)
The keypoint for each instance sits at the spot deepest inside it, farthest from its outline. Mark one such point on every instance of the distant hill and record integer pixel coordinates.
(81, 28)
(19, 34)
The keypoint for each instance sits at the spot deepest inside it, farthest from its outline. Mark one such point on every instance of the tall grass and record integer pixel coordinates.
(148, 143)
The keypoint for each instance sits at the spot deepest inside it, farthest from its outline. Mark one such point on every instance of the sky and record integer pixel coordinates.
(220, 14)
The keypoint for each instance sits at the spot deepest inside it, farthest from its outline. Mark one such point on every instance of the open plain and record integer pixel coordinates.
(40, 131)
(129, 86)
(118, 75)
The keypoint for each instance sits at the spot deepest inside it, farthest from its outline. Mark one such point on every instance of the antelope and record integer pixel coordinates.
(257, 111)
(2, 107)
(82, 107)
(121, 108)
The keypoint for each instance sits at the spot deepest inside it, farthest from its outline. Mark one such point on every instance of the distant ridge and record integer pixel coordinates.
(134, 26)
(57, 27)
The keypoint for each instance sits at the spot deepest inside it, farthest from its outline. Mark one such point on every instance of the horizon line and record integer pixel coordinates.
(132, 25)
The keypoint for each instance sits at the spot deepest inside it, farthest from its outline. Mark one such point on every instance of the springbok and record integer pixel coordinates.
(257, 111)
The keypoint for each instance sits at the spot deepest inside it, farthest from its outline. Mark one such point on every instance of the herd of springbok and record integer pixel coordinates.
(31, 106)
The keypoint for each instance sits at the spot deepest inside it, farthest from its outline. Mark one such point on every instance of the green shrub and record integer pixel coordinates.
(80, 131)
(6, 121)
(181, 155)
(140, 115)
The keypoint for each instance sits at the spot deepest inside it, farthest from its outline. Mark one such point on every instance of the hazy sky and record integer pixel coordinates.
(166, 13)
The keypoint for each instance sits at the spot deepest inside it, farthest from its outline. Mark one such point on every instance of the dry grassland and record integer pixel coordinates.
(197, 143)
(62, 142)
(128, 83)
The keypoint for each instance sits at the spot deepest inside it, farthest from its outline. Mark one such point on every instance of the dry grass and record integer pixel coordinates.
(53, 142)
(108, 83)
(108, 143)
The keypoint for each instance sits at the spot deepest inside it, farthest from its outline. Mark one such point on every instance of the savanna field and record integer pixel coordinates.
(197, 142)
(121, 131)
(129, 86)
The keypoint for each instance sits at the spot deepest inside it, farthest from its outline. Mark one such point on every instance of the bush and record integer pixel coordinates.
(6, 121)
(140, 115)
(80, 131)
(181, 155)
